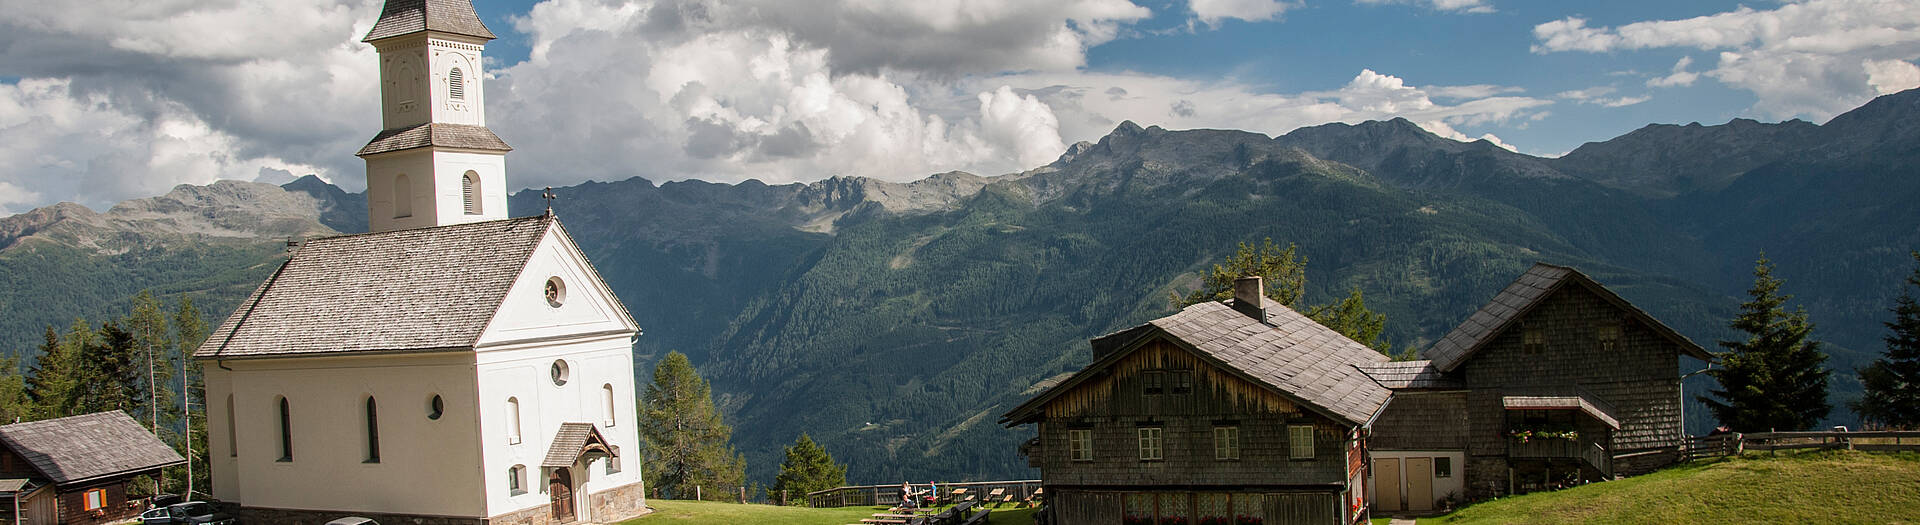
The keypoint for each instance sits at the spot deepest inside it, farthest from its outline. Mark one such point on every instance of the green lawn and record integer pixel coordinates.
(1811, 487)
(676, 512)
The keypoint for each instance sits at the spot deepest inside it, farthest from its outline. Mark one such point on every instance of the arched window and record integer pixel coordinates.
(373, 431)
(517, 480)
(470, 192)
(606, 396)
(286, 431)
(456, 85)
(402, 196)
(513, 421)
(233, 441)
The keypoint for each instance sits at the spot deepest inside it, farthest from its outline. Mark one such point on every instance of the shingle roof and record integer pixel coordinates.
(1291, 354)
(1520, 297)
(88, 446)
(443, 135)
(1402, 375)
(405, 17)
(1581, 401)
(408, 290)
(572, 440)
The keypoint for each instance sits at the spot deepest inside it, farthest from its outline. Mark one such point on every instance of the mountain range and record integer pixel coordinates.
(894, 322)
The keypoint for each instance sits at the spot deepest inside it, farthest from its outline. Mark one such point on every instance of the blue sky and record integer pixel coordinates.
(100, 103)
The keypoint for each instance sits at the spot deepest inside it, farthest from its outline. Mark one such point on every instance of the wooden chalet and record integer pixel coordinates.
(1555, 381)
(1241, 413)
(76, 470)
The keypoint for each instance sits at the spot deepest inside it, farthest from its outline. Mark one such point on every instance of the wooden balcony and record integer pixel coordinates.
(1594, 454)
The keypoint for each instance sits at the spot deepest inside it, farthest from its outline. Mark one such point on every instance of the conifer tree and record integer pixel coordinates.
(49, 383)
(189, 330)
(1775, 379)
(807, 468)
(1284, 273)
(687, 443)
(1891, 396)
(108, 378)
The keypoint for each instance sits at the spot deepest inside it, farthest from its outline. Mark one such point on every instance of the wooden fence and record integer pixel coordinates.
(889, 495)
(1733, 444)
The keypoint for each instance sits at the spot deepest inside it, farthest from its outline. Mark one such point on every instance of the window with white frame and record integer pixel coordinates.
(1080, 444)
(1300, 441)
(517, 480)
(1150, 449)
(95, 500)
(1226, 442)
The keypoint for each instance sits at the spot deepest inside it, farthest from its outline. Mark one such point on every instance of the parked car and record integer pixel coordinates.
(353, 520)
(192, 512)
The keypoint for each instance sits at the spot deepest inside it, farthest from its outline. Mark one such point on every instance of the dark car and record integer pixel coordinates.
(192, 512)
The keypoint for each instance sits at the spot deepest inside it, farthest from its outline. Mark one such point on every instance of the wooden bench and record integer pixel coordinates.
(959, 495)
(979, 517)
(995, 496)
(1031, 499)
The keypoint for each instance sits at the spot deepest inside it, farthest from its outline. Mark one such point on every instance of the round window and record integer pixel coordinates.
(436, 407)
(556, 292)
(560, 372)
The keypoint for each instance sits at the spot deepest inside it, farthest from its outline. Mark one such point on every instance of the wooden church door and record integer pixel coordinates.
(560, 486)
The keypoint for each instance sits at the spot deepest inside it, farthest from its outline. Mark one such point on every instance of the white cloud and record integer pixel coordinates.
(1812, 57)
(1679, 77)
(1891, 76)
(721, 90)
(1213, 12)
(1461, 6)
(1597, 95)
(1088, 105)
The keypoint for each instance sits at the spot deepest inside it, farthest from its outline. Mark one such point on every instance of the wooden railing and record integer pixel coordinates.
(889, 494)
(1594, 454)
(1734, 444)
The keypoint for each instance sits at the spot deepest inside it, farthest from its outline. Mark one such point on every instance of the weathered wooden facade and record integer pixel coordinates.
(1556, 381)
(75, 470)
(1217, 414)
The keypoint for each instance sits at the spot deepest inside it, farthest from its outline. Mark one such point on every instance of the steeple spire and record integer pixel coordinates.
(434, 162)
(406, 17)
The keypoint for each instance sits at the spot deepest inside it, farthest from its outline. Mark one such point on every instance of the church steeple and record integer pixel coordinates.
(434, 162)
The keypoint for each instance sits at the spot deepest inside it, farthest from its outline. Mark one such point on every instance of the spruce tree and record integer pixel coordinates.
(1891, 396)
(687, 443)
(154, 359)
(49, 381)
(807, 468)
(1775, 378)
(189, 330)
(109, 378)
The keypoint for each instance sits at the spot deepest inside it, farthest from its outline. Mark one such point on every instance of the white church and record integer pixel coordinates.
(451, 366)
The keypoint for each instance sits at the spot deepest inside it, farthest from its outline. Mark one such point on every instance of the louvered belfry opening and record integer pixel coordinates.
(456, 85)
(470, 192)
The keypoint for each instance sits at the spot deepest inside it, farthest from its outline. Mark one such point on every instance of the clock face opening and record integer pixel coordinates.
(556, 292)
(560, 372)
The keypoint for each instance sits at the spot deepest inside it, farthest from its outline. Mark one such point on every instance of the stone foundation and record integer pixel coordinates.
(609, 506)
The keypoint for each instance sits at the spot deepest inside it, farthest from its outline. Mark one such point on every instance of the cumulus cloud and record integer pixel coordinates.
(118, 100)
(121, 102)
(1461, 6)
(1679, 77)
(1812, 57)
(1213, 12)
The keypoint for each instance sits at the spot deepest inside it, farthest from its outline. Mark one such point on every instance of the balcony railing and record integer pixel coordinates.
(1594, 454)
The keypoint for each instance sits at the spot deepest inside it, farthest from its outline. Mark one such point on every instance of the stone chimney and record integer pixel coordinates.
(1250, 297)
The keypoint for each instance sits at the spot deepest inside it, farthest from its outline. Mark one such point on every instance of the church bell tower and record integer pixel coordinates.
(434, 162)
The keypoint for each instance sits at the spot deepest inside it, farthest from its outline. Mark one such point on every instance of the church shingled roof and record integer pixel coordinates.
(413, 290)
(1289, 353)
(405, 17)
(443, 135)
(88, 446)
